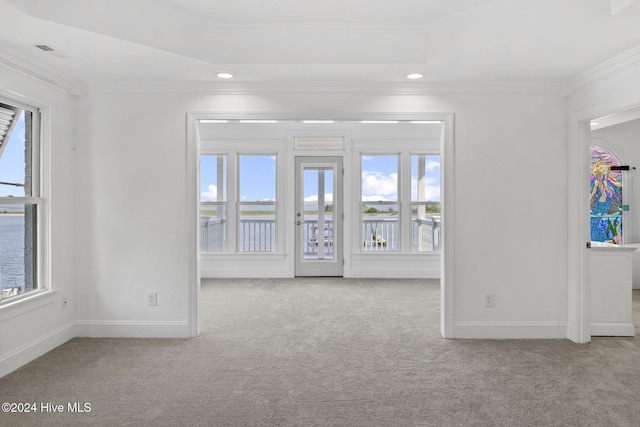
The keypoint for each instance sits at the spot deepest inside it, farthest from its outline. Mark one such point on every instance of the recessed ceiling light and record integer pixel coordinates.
(225, 75)
(414, 76)
(594, 123)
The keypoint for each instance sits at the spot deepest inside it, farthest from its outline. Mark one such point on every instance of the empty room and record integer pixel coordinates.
(420, 212)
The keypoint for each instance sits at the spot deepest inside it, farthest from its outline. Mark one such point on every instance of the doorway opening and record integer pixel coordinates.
(331, 243)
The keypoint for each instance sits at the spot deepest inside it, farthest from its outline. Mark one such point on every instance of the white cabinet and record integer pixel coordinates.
(611, 282)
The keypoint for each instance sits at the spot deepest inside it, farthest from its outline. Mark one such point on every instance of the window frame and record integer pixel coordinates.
(411, 203)
(233, 150)
(238, 202)
(398, 202)
(404, 150)
(224, 204)
(40, 138)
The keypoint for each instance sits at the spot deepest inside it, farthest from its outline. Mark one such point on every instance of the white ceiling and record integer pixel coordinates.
(449, 41)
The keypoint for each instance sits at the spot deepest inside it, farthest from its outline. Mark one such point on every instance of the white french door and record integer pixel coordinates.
(319, 214)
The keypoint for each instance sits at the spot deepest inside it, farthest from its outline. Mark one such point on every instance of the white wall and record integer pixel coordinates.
(510, 215)
(29, 329)
(510, 218)
(130, 218)
(131, 215)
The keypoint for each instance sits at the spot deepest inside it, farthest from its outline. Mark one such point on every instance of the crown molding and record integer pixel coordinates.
(617, 64)
(353, 88)
(34, 72)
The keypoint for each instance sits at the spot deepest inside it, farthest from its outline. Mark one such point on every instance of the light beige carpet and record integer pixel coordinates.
(331, 352)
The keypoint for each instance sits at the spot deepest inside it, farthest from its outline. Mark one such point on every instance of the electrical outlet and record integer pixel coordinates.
(152, 298)
(489, 300)
(64, 302)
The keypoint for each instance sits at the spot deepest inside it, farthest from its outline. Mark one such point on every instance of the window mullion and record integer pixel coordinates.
(404, 181)
(232, 199)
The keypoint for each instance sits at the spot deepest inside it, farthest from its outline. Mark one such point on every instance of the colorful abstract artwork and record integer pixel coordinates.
(606, 197)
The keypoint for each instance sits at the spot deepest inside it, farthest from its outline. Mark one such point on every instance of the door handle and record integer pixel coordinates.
(298, 222)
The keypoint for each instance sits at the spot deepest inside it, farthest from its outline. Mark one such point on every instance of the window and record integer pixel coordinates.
(20, 200)
(606, 197)
(213, 206)
(257, 204)
(239, 214)
(425, 202)
(379, 203)
(400, 202)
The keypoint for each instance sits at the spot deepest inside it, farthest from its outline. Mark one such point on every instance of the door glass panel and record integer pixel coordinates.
(317, 214)
(606, 197)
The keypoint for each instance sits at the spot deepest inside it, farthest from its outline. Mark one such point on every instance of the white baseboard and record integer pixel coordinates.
(110, 329)
(392, 274)
(533, 330)
(35, 349)
(612, 329)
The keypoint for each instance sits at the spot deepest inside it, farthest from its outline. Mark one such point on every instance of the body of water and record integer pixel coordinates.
(11, 251)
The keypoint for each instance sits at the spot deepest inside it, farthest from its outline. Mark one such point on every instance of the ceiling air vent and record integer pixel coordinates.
(309, 142)
(45, 48)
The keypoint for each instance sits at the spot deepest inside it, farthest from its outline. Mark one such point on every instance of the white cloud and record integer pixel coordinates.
(432, 193)
(327, 198)
(378, 186)
(430, 166)
(431, 189)
(211, 194)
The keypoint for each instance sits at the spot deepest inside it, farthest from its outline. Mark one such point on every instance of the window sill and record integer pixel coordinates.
(241, 255)
(18, 305)
(414, 255)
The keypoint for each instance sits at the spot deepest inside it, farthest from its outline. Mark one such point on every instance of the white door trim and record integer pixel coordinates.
(192, 197)
(334, 267)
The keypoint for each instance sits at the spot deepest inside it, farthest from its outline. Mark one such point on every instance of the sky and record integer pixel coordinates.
(12, 165)
(379, 179)
(257, 178)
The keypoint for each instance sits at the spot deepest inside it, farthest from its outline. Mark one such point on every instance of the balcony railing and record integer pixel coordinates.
(379, 234)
